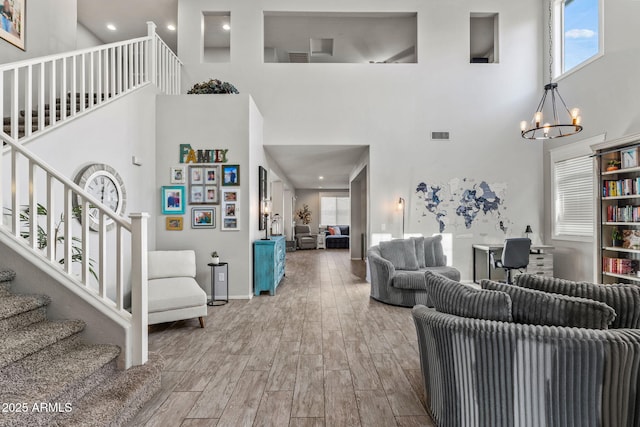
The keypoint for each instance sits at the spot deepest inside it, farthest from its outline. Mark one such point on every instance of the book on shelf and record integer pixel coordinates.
(631, 239)
(618, 265)
(626, 213)
(621, 187)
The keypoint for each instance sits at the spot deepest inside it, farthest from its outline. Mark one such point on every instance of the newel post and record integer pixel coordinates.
(139, 284)
(153, 52)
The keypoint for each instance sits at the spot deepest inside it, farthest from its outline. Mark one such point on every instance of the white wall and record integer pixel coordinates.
(50, 27)
(608, 95)
(393, 108)
(213, 122)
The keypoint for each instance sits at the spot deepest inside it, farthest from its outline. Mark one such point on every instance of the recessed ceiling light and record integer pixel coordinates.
(111, 27)
(171, 27)
(321, 177)
(226, 27)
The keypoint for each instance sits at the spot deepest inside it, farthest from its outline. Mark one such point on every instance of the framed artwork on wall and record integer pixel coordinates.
(262, 195)
(629, 158)
(203, 218)
(196, 194)
(230, 210)
(211, 194)
(177, 175)
(174, 223)
(173, 201)
(12, 22)
(230, 174)
(196, 175)
(211, 175)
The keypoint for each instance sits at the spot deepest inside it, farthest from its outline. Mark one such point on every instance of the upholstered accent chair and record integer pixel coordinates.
(397, 269)
(304, 238)
(173, 291)
(507, 355)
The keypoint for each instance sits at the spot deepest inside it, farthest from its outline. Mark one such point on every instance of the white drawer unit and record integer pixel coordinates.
(541, 264)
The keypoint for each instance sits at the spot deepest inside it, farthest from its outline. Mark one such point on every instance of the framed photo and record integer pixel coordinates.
(262, 195)
(230, 174)
(211, 175)
(174, 223)
(629, 158)
(196, 194)
(12, 22)
(211, 194)
(173, 201)
(203, 217)
(178, 175)
(230, 210)
(196, 175)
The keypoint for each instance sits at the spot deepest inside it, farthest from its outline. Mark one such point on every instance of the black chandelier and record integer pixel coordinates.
(538, 128)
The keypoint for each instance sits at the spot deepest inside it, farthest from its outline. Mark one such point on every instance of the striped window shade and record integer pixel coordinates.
(573, 197)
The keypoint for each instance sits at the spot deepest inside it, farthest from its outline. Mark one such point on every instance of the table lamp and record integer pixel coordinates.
(265, 212)
(528, 231)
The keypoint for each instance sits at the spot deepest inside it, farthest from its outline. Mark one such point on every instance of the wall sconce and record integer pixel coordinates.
(401, 205)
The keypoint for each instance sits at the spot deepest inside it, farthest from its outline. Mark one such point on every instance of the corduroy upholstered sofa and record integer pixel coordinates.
(397, 269)
(498, 356)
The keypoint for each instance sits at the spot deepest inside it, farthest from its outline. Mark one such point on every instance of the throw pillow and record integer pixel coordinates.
(419, 244)
(332, 231)
(429, 252)
(623, 298)
(530, 306)
(401, 253)
(449, 296)
(336, 231)
(438, 251)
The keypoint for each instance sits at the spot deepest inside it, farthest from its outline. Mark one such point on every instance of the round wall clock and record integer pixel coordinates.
(105, 184)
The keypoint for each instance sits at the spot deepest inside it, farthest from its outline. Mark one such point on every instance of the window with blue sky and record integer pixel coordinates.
(581, 32)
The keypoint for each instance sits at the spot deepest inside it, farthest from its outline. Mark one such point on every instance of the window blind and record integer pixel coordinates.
(573, 189)
(335, 210)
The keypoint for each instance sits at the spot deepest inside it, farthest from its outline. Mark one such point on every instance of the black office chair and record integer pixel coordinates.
(515, 255)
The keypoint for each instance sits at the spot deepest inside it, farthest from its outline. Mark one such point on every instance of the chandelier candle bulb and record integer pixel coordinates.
(538, 118)
(523, 125)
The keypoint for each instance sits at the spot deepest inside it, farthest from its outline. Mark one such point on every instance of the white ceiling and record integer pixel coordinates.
(303, 165)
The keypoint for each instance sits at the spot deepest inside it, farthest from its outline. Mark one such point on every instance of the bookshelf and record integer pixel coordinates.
(618, 244)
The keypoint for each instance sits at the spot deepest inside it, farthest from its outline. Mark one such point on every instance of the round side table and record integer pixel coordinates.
(219, 283)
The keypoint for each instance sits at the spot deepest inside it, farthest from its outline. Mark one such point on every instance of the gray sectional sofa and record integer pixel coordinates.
(397, 269)
(543, 352)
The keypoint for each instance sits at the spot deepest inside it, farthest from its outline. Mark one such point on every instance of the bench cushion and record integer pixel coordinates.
(175, 293)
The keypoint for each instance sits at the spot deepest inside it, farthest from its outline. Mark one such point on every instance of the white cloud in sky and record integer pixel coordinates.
(579, 34)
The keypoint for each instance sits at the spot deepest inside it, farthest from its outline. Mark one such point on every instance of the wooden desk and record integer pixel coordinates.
(540, 261)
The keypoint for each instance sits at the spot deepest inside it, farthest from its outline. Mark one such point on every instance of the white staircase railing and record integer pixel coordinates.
(45, 92)
(43, 218)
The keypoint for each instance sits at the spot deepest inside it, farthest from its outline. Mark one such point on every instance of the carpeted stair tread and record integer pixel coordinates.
(50, 374)
(117, 400)
(20, 343)
(13, 305)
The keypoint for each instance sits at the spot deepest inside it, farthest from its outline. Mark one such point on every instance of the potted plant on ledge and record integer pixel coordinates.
(616, 237)
(215, 259)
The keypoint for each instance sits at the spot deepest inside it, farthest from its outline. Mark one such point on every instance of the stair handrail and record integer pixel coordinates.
(90, 77)
(137, 228)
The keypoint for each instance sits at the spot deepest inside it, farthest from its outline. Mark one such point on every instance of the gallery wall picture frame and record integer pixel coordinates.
(174, 223)
(230, 210)
(12, 22)
(203, 217)
(211, 174)
(173, 199)
(211, 194)
(230, 174)
(262, 195)
(196, 194)
(196, 175)
(178, 175)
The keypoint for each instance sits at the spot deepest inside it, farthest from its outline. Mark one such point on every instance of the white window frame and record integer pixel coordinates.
(558, 41)
(566, 152)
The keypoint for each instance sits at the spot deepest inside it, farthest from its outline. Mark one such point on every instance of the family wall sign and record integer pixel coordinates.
(189, 155)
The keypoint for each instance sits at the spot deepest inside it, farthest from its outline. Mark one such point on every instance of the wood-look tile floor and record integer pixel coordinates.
(318, 353)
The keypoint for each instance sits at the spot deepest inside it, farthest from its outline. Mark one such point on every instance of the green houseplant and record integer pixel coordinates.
(212, 86)
(616, 237)
(215, 259)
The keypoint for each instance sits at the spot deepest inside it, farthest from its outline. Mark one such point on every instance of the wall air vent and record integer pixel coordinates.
(440, 136)
(299, 57)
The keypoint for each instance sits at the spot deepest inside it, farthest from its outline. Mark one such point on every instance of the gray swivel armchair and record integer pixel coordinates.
(515, 256)
(304, 238)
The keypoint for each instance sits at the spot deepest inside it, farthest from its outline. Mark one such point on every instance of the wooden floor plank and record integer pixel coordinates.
(320, 352)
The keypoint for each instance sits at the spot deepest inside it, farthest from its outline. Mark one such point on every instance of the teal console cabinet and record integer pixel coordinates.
(268, 264)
